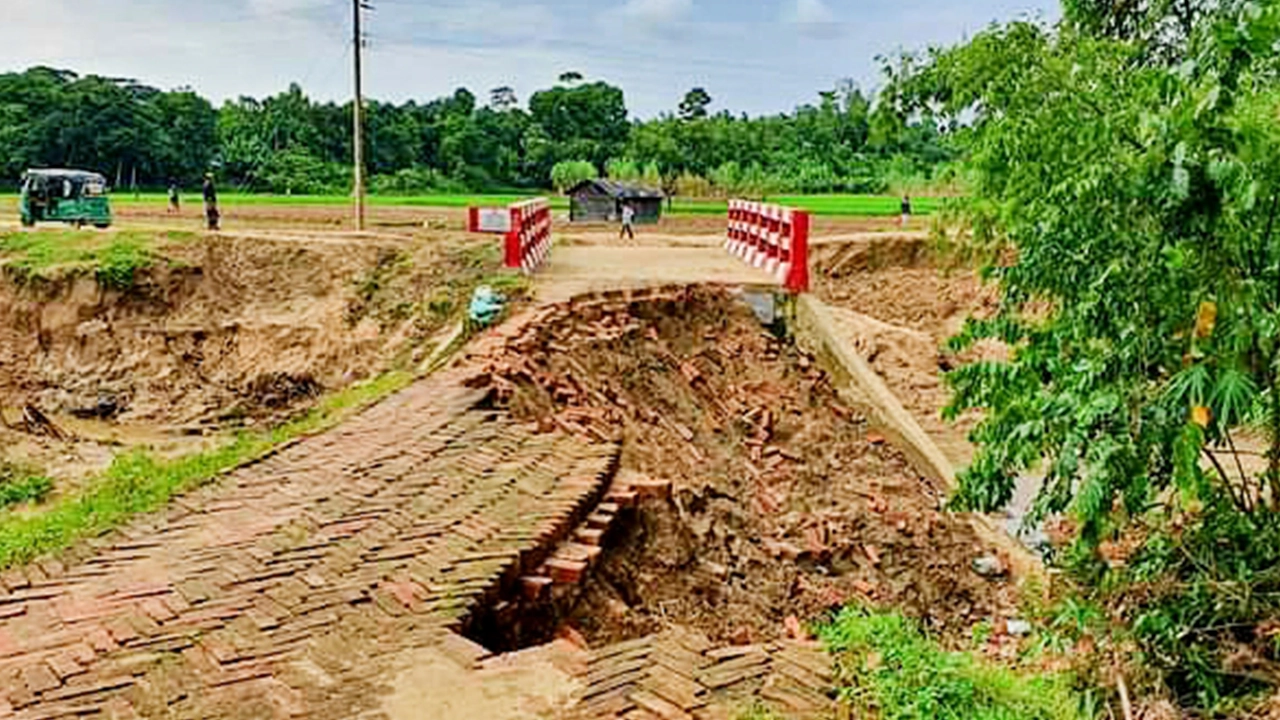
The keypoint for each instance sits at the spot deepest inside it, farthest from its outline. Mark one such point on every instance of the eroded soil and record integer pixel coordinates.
(784, 502)
(220, 333)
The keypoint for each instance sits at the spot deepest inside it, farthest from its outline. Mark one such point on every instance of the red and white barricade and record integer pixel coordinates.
(773, 238)
(529, 240)
(525, 227)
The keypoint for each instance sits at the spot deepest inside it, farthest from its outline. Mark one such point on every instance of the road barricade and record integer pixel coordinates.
(772, 238)
(525, 227)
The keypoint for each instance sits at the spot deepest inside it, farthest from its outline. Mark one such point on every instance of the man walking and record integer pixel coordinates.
(210, 201)
(173, 198)
(906, 210)
(628, 218)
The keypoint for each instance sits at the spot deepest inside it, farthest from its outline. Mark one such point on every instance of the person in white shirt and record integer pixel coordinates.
(628, 218)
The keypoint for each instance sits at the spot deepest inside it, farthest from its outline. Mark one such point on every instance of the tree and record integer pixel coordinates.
(1130, 213)
(503, 99)
(569, 173)
(572, 77)
(694, 105)
(589, 121)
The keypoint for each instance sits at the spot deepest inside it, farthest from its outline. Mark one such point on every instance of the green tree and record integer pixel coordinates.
(1131, 210)
(694, 105)
(571, 172)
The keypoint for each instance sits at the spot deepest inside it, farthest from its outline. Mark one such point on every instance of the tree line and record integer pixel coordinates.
(140, 136)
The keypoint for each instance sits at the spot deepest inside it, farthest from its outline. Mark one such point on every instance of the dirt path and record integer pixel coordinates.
(574, 270)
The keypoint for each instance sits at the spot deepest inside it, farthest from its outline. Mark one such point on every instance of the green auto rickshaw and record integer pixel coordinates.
(70, 196)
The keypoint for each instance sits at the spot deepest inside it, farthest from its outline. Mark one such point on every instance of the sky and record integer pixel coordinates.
(754, 56)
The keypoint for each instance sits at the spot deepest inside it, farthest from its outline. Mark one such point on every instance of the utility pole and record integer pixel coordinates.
(358, 113)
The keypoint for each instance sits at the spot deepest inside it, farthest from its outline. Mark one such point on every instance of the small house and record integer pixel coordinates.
(602, 201)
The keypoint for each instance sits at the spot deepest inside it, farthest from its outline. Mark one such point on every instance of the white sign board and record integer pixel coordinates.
(494, 220)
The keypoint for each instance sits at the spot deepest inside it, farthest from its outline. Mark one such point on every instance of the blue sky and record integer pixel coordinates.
(758, 57)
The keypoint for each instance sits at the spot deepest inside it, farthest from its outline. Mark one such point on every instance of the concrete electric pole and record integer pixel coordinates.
(358, 114)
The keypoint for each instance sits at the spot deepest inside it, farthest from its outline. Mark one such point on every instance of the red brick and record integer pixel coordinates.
(587, 536)
(535, 588)
(64, 666)
(40, 678)
(650, 489)
(566, 572)
(599, 520)
(622, 499)
(157, 610)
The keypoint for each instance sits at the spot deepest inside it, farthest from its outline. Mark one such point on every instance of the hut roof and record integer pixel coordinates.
(617, 190)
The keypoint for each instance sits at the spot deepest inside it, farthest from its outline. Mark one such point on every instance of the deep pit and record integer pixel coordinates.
(783, 502)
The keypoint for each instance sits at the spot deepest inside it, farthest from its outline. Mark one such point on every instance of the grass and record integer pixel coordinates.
(20, 484)
(828, 205)
(888, 669)
(115, 258)
(138, 482)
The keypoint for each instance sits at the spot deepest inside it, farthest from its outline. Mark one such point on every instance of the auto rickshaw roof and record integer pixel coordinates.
(81, 175)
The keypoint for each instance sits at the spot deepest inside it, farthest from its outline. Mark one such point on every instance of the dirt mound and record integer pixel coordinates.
(784, 502)
(893, 279)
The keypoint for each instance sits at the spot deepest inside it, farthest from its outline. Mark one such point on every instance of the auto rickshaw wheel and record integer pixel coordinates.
(28, 222)
(102, 226)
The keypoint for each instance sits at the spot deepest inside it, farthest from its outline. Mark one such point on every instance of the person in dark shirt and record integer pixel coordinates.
(210, 201)
(906, 210)
(173, 198)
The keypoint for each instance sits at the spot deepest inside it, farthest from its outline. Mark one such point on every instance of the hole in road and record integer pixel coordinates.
(783, 503)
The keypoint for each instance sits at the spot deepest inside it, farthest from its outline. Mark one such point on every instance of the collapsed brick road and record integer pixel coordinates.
(306, 584)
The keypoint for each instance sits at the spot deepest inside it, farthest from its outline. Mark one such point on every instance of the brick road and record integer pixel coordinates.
(288, 587)
(312, 583)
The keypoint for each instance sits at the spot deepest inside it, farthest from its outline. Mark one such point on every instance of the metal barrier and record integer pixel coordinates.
(773, 238)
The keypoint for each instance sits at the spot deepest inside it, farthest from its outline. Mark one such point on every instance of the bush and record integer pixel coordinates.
(19, 484)
(414, 181)
(888, 669)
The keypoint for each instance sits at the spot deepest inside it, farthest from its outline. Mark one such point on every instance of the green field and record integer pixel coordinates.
(832, 205)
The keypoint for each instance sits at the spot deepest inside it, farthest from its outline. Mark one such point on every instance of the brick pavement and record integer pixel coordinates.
(310, 584)
(289, 587)
(680, 675)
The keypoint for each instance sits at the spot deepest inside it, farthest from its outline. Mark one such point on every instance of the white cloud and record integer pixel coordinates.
(657, 11)
(813, 12)
(813, 18)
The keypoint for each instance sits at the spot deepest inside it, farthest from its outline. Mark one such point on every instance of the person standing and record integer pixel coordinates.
(173, 198)
(628, 219)
(906, 210)
(210, 201)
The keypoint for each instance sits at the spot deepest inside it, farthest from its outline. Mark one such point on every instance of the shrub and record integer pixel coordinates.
(888, 669)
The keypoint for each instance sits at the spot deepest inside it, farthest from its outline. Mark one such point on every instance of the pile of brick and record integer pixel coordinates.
(571, 561)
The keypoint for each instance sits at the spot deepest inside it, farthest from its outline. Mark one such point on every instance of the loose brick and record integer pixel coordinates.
(566, 572)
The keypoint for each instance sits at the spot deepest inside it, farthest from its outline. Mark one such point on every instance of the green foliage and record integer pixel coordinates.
(120, 262)
(1130, 208)
(888, 669)
(19, 484)
(569, 173)
(288, 143)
